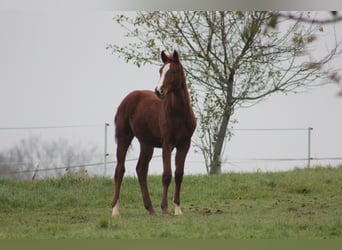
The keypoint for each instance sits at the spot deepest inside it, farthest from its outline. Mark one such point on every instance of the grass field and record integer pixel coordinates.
(303, 203)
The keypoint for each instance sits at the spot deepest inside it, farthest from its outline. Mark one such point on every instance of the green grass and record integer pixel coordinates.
(303, 203)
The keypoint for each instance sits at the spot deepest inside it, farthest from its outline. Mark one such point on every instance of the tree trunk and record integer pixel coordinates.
(215, 164)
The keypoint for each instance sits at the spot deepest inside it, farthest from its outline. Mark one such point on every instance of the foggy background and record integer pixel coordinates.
(57, 80)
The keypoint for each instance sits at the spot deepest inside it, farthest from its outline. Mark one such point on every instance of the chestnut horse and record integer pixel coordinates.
(163, 118)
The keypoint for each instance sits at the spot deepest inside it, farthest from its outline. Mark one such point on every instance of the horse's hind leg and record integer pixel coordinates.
(146, 152)
(123, 144)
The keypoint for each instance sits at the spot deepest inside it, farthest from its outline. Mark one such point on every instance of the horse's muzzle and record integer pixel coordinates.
(158, 93)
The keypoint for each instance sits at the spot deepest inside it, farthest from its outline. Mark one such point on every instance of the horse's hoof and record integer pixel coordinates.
(115, 214)
(178, 211)
(166, 213)
(115, 211)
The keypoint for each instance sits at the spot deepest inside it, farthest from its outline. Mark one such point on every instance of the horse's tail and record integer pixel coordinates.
(116, 131)
(123, 130)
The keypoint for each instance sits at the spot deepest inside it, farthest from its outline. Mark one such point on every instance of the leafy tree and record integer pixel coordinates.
(232, 60)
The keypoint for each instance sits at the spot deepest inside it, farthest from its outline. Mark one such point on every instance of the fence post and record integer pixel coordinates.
(105, 150)
(309, 146)
(35, 171)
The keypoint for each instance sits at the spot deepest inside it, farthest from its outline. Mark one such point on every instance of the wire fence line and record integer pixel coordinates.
(270, 129)
(49, 127)
(103, 164)
(158, 156)
(289, 159)
(108, 124)
(61, 167)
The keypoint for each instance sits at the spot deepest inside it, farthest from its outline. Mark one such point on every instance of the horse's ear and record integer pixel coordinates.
(164, 57)
(175, 56)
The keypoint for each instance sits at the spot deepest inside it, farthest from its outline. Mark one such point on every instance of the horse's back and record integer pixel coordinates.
(133, 99)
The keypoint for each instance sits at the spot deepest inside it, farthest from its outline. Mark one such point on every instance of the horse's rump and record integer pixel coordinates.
(137, 115)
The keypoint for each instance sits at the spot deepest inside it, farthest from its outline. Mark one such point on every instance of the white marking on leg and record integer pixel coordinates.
(115, 212)
(162, 77)
(178, 210)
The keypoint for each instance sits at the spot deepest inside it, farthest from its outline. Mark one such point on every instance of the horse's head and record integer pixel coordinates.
(171, 75)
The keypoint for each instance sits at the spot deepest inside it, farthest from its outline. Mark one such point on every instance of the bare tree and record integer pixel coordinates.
(232, 59)
(34, 157)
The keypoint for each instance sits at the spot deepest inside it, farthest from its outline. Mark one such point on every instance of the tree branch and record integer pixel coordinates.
(302, 19)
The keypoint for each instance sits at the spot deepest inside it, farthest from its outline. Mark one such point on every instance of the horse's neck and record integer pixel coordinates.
(178, 102)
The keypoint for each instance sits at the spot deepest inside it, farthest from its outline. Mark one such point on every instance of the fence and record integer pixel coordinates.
(194, 160)
(309, 130)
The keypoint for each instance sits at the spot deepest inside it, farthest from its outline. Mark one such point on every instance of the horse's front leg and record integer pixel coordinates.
(166, 177)
(180, 159)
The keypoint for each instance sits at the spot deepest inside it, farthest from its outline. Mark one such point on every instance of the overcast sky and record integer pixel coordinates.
(56, 71)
